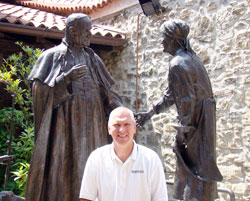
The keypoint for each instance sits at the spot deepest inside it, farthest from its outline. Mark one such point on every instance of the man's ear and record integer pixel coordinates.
(109, 129)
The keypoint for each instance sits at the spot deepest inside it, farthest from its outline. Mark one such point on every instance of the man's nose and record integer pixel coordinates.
(89, 34)
(121, 128)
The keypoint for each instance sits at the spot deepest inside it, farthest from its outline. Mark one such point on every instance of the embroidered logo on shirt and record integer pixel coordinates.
(137, 171)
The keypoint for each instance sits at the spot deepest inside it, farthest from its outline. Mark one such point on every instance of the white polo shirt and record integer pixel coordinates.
(139, 178)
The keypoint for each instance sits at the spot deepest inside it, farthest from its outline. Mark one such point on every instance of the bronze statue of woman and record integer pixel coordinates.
(189, 88)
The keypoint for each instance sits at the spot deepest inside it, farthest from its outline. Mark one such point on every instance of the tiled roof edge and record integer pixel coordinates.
(64, 8)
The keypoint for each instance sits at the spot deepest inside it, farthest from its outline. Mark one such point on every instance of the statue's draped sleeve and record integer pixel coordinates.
(110, 98)
(180, 91)
(40, 95)
(167, 100)
(182, 86)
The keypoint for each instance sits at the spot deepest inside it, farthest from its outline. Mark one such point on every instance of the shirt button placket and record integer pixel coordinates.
(122, 177)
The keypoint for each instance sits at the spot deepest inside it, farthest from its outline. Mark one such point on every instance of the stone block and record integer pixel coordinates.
(203, 30)
(165, 120)
(242, 40)
(169, 128)
(224, 19)
(225, 35)
(211, 6)
(247, 80)
(235, 145)
(246, 122)
(247, 94)
(241, 188)
(231, 173)
(230, 80)
(240, 25)
(169, 168)
(239, 9)
(10, 196)
(203, 55)
(185, 14)
(246, 164)
(235, 61)
(190, 2)
(222, 103)
(159, 127)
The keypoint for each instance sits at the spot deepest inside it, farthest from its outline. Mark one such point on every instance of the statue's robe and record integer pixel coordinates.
(190, 90)
(70, 121)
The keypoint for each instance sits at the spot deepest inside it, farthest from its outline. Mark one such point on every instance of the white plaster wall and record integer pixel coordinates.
(220, 35)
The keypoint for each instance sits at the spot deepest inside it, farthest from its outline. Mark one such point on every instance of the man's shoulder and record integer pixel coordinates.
(103, 148)
(177, 61)
(146, 152)
(148, 157)
(53, 50)
(101, 151)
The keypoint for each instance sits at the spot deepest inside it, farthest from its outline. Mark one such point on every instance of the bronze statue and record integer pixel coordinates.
(189, 88)
(72, 99)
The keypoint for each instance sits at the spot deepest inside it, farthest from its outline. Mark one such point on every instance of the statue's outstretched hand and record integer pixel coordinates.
(75, 73)
(142, 117)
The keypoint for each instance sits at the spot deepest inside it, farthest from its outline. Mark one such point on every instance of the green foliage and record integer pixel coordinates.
(23, 146)
(21, 176)
(14, 73)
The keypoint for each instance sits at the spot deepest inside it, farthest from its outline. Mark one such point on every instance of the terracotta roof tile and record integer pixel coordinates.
(40, 19)
(66, 6)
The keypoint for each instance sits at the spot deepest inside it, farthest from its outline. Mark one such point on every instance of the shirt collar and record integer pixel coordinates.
(133, 155)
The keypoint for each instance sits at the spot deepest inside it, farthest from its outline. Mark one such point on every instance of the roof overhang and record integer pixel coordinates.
(23, 21)
(56, 34)
(95, 9)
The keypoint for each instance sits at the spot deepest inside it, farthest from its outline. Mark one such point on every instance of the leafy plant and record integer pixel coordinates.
(14, 73)
(21, 176)
(23, 146)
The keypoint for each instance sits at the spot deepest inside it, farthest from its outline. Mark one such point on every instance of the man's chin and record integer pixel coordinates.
(86, 44)
(122, 141)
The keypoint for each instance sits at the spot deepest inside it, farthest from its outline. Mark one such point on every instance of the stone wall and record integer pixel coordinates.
(220, 35)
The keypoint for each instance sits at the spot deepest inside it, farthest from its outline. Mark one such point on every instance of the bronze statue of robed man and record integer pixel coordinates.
(72, 98)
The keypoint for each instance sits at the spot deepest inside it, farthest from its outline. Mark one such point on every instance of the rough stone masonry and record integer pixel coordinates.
(220, 35)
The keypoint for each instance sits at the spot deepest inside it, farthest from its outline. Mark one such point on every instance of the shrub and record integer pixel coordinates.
(14, 73)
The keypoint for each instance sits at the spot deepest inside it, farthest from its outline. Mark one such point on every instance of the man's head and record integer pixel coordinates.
(122, 126)
(175, 34)
(78, 26)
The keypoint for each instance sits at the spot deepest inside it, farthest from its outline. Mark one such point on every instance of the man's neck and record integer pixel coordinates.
(72, 45)
(123, 152)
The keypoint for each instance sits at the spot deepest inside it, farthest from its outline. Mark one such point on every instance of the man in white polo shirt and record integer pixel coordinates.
(123, 170)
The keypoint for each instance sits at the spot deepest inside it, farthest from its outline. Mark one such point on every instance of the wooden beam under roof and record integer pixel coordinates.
(56, 34)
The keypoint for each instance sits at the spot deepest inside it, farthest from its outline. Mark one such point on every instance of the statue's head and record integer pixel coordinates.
(175, 34)
(78, 26)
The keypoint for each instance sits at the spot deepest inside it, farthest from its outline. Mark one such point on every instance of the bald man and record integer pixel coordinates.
(123, 170)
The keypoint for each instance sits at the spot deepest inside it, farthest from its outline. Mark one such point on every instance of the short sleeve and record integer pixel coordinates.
(158, 182)
(89, 183)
